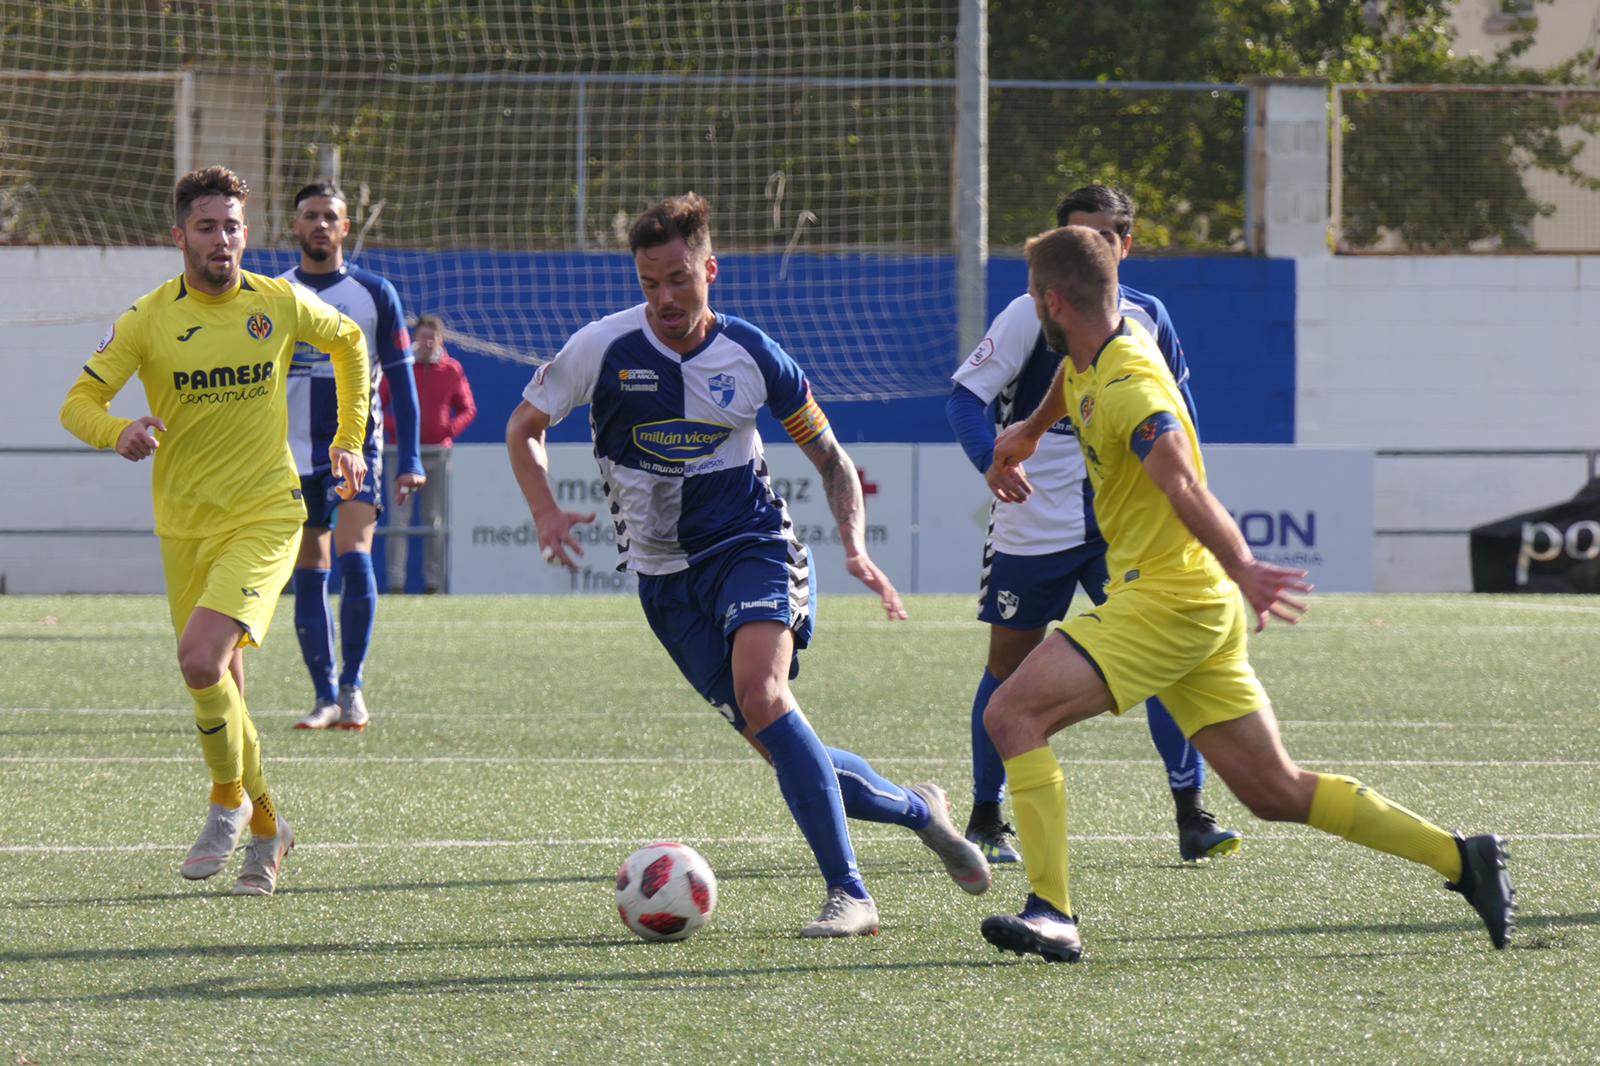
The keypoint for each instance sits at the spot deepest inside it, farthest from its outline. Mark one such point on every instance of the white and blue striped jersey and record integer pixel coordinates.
(1013, 368)
(313, 402)
(675, 435)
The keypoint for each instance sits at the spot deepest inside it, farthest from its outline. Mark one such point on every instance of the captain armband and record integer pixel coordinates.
(806, 424)
(1150, 430)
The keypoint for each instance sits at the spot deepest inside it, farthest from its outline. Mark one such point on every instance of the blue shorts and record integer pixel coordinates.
(322, 495)
(1031, 591)
(694, 612)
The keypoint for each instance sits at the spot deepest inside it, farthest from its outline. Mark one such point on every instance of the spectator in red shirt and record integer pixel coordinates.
(445, 409)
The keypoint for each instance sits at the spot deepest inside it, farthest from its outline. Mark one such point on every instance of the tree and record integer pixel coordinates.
(1405, 159)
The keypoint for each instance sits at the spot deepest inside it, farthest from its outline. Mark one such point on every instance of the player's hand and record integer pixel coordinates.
(1008, 483)
(349, 472)
(137, 441)
(1267, 590)
(866, 571)
(556, 542)
(1011, 449)
(405, 485)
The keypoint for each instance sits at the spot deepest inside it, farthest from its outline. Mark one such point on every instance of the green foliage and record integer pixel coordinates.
(881, 159)
(1406, 159)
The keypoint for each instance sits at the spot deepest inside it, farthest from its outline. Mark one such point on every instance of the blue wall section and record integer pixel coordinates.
(1235, 317)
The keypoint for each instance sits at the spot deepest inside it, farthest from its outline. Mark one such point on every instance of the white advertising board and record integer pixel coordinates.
(494, 548)
(1304, 507)
(1309, 508)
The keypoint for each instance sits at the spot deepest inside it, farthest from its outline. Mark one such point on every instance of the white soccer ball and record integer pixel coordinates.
(665, 891)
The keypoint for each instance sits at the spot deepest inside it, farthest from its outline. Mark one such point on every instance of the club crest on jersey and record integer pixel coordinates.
(1086, 410)
(1009, 602)
(721, 386)
(258, 325)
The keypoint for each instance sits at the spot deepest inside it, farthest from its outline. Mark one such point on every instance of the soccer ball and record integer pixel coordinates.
(665, 891)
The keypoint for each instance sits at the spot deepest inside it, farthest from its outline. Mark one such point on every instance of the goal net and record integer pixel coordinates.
(493, 152)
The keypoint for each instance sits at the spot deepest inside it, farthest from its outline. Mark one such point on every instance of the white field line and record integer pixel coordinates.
(683, 760)
(534, 716)
(1498, 605)
(617, 842)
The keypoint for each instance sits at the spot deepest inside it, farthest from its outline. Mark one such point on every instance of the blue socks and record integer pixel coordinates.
(358, 600)
(810, 788)
(314, 624)
(871, 798)
(1185, 767)
(988, 769)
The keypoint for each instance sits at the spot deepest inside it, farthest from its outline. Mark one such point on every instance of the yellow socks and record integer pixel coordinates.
(264, 818)
(228, 793)
(233, 752)
(1345, 807)
(218, 714)
(1039, 804)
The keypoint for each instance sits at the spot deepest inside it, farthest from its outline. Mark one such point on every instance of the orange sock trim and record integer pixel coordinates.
(228, 793)
(264, 819)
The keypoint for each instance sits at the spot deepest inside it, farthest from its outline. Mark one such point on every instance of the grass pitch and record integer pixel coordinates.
(451, 896)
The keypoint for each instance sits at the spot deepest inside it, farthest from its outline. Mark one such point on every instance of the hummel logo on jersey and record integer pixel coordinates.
(1009, 602)
(209, 732)
(251, 592)
(192, 330)
(638, 379)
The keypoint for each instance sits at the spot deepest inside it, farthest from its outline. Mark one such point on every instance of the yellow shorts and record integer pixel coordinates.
(1190, 652)
(238, 573)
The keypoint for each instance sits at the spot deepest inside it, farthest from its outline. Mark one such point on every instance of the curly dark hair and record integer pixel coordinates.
(1093, 199)
(212, 181)
(687, 216)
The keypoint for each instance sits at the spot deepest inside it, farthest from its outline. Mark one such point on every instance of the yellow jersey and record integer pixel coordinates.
(215, 370)
(1112, 404)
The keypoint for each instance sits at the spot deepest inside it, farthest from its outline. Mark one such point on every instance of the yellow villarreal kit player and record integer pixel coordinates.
(1173, 624)
(226, 495)
(226, 492)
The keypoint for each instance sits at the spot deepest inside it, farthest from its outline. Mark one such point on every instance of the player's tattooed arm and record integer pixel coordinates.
(841, 487)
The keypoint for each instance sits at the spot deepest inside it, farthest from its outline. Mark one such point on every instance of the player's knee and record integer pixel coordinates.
(762, 702)
(200, 670)
(1000, 716)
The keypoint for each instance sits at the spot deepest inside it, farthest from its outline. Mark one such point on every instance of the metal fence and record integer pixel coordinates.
(1466, 168)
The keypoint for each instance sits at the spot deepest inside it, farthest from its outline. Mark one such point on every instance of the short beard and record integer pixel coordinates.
(1054, 336)
(316, 255)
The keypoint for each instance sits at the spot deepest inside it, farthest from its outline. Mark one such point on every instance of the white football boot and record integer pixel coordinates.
(262, 857)
(322, 716)
(963, 860)
(844, 915)
(218, 837)
(352, 709)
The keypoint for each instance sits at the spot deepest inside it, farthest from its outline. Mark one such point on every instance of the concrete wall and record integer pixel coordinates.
(1450, 352)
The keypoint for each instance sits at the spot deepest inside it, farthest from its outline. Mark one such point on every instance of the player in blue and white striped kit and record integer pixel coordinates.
(674, 390)
(321, 223)
(1038, 551)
